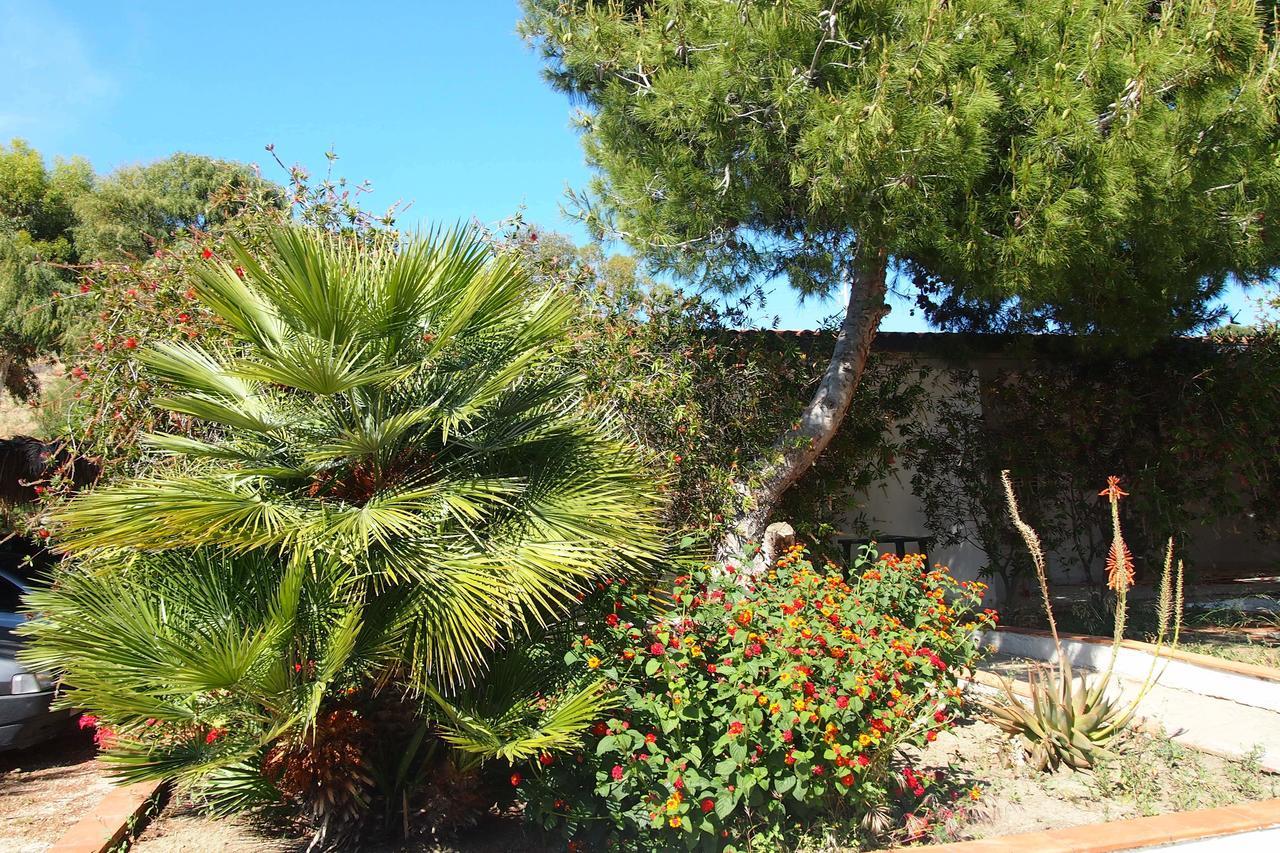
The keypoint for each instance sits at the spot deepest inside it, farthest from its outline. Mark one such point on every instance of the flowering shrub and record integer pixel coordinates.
(753, 704)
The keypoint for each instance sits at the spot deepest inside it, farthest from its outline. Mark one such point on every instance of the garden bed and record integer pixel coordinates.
(1152, 776)
(46, 789)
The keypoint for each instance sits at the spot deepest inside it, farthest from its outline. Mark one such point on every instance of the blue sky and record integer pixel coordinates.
(436, 103)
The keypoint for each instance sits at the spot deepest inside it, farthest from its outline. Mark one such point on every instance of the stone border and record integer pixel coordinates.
(1134, 834)
(1244, 684)
(107, 824)
(1249, 670)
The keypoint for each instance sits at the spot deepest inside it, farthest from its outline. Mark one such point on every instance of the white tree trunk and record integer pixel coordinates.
(799, 446)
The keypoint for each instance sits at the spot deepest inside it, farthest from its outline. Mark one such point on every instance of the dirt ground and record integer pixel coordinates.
(1150, 776)
(46, 789)
(180, 829)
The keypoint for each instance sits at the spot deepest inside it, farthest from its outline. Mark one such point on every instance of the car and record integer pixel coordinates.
(26, 717)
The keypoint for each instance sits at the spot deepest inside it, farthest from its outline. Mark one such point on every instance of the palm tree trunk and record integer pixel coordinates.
(797, 449)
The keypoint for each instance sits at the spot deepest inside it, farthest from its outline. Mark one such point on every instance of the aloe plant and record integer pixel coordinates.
(1073, 720)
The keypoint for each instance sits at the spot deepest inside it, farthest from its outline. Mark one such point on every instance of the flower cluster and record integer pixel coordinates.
(754, 703)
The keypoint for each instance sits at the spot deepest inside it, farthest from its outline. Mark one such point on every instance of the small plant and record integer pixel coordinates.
(1073, 720)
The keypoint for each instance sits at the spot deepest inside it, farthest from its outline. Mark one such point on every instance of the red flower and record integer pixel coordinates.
(214, 734)
(1113, 490)
(707, 805)
(84, 288)
(656, 649)
(735, 728)
(863, 760)
(44, 534)
(515, 780)
(545, 759)
(130, 343)
(616, 772)
(842, 702)
(818, 770)
(847, 780)
(611, 619)
(207, 254)
(184, 317)
(788, 736)
(600, 730)
(88, 721)
(651, 738)
(240, 271)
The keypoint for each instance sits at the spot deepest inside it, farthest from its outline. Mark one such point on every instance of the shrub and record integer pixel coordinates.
(754, 704)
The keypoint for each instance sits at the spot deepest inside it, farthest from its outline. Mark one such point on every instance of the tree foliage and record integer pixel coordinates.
(137, 209)
(36, 244)
(1100, 166)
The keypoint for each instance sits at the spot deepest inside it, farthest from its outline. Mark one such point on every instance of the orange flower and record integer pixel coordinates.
(1119, 566)
(1113, 489)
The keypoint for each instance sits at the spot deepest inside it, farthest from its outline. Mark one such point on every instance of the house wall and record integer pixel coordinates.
(1223, 550)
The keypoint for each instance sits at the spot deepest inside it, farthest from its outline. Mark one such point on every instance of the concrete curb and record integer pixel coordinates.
(109, 821)
(1134, 834)
(1244, 684)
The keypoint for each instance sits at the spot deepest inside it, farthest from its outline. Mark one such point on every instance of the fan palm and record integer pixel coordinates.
(252, 681)
(404, 411)
(382, 482)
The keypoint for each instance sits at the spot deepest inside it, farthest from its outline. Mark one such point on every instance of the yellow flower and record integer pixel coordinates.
(593, 662)
(673, 821)
(895, 693)
(775, 708)
(798, 705)
(762, 699)
(864, 741)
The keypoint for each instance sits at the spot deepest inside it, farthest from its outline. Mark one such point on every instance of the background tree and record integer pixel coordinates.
(136, 208)
(36, 221)
(59, 225)
(1103, 167)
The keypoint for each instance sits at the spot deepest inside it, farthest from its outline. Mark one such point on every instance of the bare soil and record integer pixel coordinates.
(44, 790)
(181, 829)
(1150, 776)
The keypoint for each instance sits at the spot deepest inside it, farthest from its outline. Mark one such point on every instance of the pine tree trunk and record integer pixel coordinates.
(798, 448)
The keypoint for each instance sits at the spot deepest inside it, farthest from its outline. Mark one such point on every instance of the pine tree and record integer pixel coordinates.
(1095, 166)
